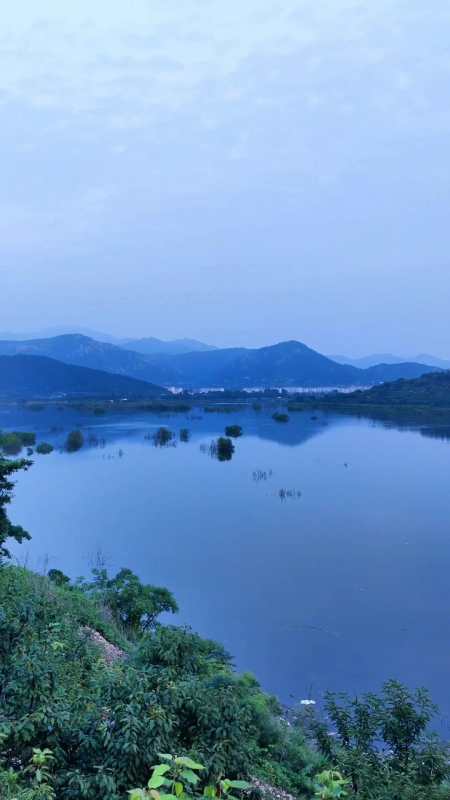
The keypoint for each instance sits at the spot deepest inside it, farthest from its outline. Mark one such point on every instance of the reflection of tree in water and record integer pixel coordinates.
(442, 433)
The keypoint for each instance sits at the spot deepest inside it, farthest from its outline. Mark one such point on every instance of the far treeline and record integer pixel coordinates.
(100, 700)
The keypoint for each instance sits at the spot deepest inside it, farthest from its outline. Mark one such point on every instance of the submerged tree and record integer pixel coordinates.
(74, 441)
(225, 448)
(7, 529)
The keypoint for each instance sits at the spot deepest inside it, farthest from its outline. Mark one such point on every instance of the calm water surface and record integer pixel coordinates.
(341, 585)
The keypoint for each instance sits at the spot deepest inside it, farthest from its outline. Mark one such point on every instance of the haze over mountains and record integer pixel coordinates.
(288, 364)
(148, 345)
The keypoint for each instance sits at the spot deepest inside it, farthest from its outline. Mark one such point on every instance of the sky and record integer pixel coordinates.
(238, 172)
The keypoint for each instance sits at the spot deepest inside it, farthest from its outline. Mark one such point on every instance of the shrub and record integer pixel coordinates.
(279, 416)
(74, 441)
(184, 435)
(233, 430)
(43, 448)
(225, 448)
(11, 443)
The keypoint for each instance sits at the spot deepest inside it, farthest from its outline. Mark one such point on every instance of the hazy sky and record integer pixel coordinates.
(240, 171)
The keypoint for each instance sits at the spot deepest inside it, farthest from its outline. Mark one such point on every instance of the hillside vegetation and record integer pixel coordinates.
(95, 691)
(430, 391)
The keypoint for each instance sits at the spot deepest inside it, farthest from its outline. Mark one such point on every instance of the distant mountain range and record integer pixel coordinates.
(288, 364)
(27, 376)
(149, 345)
(389, 358)
(152, 346)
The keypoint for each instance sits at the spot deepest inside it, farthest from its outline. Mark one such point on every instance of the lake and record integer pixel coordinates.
(319, 555)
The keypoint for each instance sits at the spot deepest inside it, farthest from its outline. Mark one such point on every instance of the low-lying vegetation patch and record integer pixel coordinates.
(43, 448)
(234, 431)
(280, 416)
(74, 441)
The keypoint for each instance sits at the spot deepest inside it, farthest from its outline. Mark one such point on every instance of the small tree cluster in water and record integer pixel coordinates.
(280, 416)
(233, 430)
(12, 443)
(162, 437)
(74, 441)
(221, 448)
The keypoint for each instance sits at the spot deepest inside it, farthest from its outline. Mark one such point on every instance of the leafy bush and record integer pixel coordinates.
(279, 416)
(233, 430)
(381, 744)
(43, 448)
(224, 449)
(180, 777)
(74, 441)
(12, 443)
(134, 605)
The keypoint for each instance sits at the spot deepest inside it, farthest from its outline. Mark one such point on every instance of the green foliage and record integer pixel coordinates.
(105, 722)
(179, 778)
(134, 605)
(330, 784)
(43, 448)
(12, 443)
(224, 449)
(58, 577)
(74, 441)
(233, 430)
(7, 529)
(182, 652)
(27, 438)
(381, 744)
(33, 782)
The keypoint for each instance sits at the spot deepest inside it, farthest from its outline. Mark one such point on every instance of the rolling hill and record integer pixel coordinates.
(285, 364)
(431, 390)
(27, 376)
(82, 351)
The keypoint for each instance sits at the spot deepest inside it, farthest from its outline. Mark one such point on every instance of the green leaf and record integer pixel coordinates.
(156, 781)
(168, 797)
(160, 769)
(179, 789)
(184, 761)
(165, 756)
(190, 776)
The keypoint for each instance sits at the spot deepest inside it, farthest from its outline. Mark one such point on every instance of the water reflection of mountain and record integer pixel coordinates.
(442, 433)
(299, 429)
